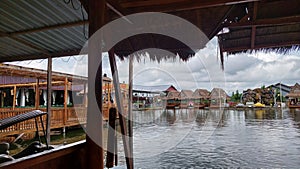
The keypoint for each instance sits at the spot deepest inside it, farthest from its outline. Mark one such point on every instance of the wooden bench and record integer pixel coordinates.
(7, 122)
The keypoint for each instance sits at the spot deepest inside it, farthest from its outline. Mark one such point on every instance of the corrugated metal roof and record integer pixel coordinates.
(19, 16)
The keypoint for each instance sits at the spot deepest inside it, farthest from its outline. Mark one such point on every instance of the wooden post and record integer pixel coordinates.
(130, 122)
(111, 140)
(94, 158)
(49, 100)
(118, 94)
(65, 101)
(15, 97)
(37, 94)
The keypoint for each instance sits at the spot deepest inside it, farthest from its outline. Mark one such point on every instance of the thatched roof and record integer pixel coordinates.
(186, 94)
(218, 93)
(27, 32)
(173, 95)
(201, 93)
(295, 91)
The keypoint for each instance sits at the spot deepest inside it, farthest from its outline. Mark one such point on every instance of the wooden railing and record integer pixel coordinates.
(60, 117)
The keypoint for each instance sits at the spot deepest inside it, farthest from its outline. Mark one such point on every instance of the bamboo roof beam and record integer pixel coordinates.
(266, 22)
(176, 5)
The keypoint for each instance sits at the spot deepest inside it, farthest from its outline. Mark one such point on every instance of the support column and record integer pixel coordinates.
(49, 89)
(118, 94)
(22, 102)
(65, 100)
(37, 94)
(94, 159)
(130, 122)
(15, 97)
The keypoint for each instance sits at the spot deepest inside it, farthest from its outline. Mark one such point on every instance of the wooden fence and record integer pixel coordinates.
(60, 117)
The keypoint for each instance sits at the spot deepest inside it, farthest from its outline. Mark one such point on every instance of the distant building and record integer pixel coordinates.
(282, 88)
(218, 98)
(186, 99)
(294, 96)
(201, 98)
(149, 96)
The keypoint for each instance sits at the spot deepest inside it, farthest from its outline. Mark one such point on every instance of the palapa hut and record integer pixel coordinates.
(218, 98)
(186, 99)
(173, 100)
(252, 25)
(201, 98)
(294, 96)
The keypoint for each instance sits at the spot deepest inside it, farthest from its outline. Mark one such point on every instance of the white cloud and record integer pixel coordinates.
(242, 71)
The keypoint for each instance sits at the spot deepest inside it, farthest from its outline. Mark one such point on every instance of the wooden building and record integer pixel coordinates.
(294, 97)
(173, 100)
(218, 98)
(201, 98)
(186, 99)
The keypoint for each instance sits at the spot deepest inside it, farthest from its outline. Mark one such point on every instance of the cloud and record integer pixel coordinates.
(242, 71)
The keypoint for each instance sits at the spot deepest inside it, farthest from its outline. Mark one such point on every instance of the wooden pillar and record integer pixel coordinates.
(130, 123)
(49, 100)
(84, 95)
(65, 100)
(94, 158)
(15, 97)
(37, 94)
(118, 94)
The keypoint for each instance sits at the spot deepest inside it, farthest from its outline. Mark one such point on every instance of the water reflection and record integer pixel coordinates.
(191, 138)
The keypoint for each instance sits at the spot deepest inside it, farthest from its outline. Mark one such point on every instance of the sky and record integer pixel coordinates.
(241, 71)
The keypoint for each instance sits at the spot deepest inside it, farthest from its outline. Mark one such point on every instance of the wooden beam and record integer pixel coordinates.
(253, 30)
(265, 46)
(46, 28)
(37, 94)
(40, 55)
(15, 97)
(118, 94)
(96, 11)
(266, 22)
(176, 5)
(49, 99)
(65, 100)
(130, 116)
(116, 7)
(214, 32)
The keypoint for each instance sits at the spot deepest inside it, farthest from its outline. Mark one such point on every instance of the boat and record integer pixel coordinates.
(259, 105)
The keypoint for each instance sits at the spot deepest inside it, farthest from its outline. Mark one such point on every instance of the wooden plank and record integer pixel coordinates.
(266, 22)
(176, 5)
(253, 30)
(50, 27)
(68, 157)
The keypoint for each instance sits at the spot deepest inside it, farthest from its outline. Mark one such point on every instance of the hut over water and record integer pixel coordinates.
(201, 98)
(186, 99)
(218, 98)
(294, 96)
